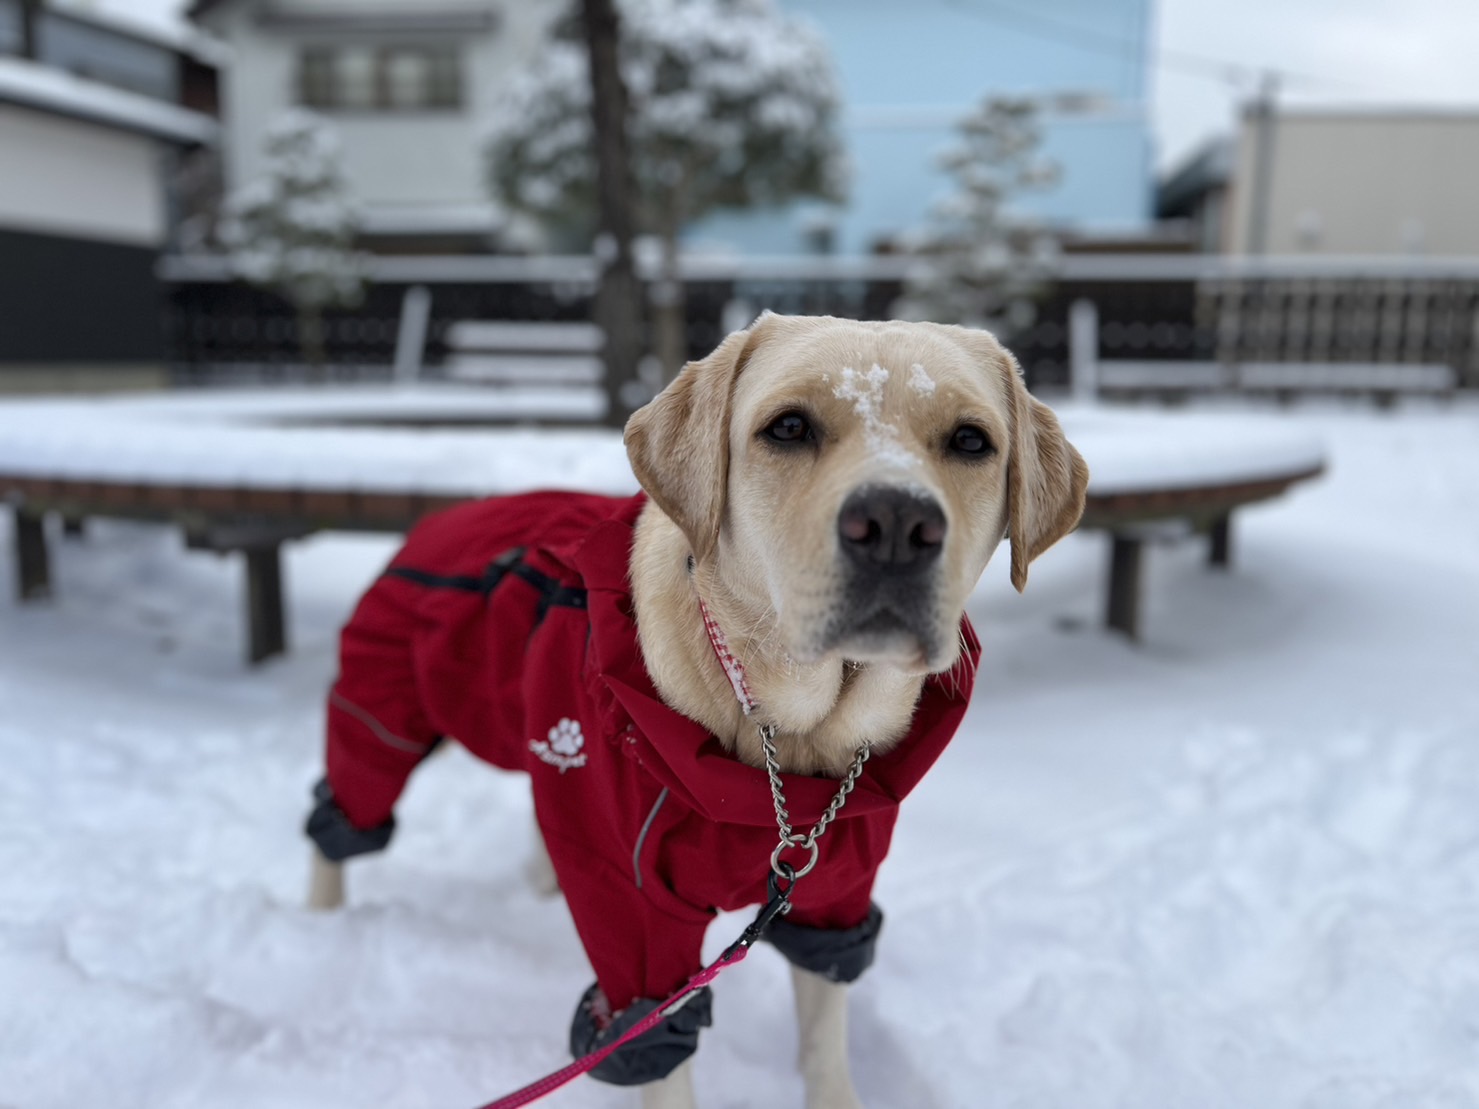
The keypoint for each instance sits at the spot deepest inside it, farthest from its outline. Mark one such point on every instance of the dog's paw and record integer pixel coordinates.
(832, 1096)
(830, 1088)
(541, 877)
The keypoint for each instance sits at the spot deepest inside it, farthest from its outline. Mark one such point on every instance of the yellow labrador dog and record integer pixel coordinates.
(822, 496)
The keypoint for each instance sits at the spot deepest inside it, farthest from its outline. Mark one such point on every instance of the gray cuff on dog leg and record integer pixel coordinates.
(654, 1054)
(837, 954)
(336, 837)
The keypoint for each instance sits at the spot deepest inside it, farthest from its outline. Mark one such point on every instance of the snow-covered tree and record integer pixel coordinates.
(292, 230)
(981, 263)
(733, 105)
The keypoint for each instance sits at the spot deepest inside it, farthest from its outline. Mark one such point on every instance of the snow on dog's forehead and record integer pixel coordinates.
(872, 365)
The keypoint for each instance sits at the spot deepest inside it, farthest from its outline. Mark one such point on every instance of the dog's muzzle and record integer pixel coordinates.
(891, 540)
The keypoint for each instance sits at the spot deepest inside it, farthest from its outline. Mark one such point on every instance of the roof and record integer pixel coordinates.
(171, 33)
(409, 17)
(1209, 167)
(1367, 112)
(52, 90)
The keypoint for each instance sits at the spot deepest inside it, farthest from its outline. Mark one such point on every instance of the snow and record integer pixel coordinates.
(26, 82)
(287, 438)
(1129, 450)
(291, 438)
(865, 391)
(920, 380)
(1235, 866)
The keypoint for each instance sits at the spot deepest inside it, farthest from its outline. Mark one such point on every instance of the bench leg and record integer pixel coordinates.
(1124, 585)
(32, 562)
(1219, 549)
(266, 626)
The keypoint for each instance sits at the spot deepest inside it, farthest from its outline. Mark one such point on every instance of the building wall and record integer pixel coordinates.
(79, 179)
(1361, 183)
(81, 224)
(410, 168)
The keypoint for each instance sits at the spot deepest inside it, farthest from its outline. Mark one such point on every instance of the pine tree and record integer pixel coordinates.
(732, 106)
(293, 229)
(981, 262)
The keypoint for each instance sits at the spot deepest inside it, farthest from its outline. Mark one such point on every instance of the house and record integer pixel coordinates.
(98, 122)
(909, 72)
(1334, 181)
(1355, 181)
(409, 85)
(1195, 193)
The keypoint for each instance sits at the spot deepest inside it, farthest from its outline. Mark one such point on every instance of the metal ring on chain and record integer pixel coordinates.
(783, 818)
(799, 871)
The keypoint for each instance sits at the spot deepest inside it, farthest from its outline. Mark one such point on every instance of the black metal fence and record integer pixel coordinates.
(1151, 309)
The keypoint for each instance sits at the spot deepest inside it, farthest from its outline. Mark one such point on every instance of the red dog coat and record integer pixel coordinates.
(508, 624)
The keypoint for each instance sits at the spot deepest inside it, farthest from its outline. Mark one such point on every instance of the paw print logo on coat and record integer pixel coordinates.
(562, 746)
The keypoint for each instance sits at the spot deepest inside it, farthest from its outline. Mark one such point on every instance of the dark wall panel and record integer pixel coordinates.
(73, 300)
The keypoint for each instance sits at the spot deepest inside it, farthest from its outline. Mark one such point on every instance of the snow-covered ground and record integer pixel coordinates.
(1236, 866)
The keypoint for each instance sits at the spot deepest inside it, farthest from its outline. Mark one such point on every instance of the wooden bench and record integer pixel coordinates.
(256, 522)
(1156, 476)
(1137, 519)
(253, 521)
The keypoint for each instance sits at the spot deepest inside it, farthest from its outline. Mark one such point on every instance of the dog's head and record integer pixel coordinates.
(856, 477)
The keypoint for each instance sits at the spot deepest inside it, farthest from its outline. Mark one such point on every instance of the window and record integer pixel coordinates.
(388, 78)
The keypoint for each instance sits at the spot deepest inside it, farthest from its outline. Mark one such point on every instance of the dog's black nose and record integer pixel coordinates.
(883, 528)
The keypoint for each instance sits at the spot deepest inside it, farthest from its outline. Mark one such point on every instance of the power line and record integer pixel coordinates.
(1091, 38)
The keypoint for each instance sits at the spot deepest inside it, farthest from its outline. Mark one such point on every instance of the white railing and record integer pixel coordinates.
(581, 268)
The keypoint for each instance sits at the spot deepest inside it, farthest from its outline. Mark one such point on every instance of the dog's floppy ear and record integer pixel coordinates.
(1046, 477)
(679, 443)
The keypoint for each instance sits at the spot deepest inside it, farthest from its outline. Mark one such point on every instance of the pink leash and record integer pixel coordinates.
(734, 953)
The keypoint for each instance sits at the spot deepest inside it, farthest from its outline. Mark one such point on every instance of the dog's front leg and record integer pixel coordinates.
(325, 882)
(673, 1092)
(821, 1015)
(539, 871)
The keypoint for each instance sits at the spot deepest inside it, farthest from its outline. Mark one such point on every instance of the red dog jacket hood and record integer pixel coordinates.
(508, 624)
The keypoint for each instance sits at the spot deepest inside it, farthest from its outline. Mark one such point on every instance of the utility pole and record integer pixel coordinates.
(1260, 186)
(1263, 162)
(619, 299)
(30, 42)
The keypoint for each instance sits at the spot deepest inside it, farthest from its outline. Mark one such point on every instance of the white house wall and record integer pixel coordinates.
(80, 180)
(1350, 183)
(419, 168)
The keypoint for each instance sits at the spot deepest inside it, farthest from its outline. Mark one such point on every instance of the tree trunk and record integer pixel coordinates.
(618, 307)
(311, 341)
(670, 304)
(30, 19)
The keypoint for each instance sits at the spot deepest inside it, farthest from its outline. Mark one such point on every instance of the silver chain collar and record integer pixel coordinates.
(789, 838)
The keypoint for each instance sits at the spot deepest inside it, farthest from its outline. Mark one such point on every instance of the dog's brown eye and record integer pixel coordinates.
(791, 427)
(969, 439)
